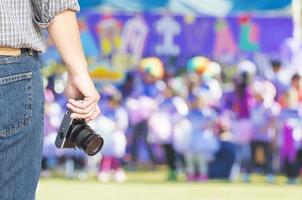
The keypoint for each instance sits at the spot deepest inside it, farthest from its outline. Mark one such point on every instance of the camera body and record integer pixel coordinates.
(64, 137)
(75, 133)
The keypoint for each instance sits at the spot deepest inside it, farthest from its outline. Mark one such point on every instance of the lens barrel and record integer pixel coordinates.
(86, 139)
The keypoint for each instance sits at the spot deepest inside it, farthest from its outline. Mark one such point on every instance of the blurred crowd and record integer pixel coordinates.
(204, 122)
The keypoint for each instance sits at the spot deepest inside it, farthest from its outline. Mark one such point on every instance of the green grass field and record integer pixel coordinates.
(152, 186)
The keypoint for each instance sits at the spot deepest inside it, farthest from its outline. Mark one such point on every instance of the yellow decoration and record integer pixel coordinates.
(102, 73)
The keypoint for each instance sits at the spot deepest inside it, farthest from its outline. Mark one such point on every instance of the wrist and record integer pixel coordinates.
(78, 70)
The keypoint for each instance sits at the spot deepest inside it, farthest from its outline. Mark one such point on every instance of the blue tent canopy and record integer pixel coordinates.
(190, 6)
(126, 4)
(259, 4)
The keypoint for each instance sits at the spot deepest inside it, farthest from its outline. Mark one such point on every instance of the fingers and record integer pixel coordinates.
(84, 109)
(94, 115)
(87, 108)
(88, 116)
(84, 104)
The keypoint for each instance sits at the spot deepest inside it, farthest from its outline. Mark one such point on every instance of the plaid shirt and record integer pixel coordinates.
(22, 21)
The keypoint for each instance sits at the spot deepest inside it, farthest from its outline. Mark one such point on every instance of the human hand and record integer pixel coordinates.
(82, 97)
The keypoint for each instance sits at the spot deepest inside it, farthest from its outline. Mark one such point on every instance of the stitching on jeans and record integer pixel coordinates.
(15, 78)
(10, 59)
(26, 120)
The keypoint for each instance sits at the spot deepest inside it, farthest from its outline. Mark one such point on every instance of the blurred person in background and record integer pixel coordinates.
(296, 87)
(291, 149)
(242, 97)
(162, 123)
(241, 101)
(140, 105)
(161, 128)
(226, 155)
(263, 117)
(127, 87)
(198, 155)
(291, 138)
(113, 125)
(279, 78)
(53, 114)
(21, 88)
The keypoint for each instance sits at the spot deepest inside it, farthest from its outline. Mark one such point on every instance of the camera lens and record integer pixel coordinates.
(86, 139)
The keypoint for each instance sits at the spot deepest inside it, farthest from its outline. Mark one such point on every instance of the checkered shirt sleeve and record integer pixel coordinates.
(22, 21)
(46, 10)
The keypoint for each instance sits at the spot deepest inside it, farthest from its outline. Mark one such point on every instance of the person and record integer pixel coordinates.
(291, 150)
(113, 125)
(263, 117)
(21, 88)
(279, 78)
(291, 143)
(166, 115)
(140, 105)
(197, 155)
(241, 101)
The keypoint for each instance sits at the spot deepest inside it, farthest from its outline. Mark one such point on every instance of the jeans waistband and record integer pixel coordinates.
(7, 51)
(23, 56)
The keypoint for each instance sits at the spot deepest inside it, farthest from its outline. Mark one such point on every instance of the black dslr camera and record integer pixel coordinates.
(76, 133)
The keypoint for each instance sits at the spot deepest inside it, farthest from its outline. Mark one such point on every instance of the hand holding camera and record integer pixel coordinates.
(76, 133)
(80, 86)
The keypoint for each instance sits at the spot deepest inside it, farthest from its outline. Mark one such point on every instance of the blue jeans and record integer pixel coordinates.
(21, 126)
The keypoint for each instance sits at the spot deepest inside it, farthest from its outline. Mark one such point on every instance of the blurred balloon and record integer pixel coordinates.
(198, 64)
(59, 85)
(215, 92)
(247, 66)
(214, 69)
(269, 91)
(265, 89)
(153, 66)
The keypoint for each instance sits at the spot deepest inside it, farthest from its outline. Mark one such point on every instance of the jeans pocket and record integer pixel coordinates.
(4, 58)
(15, 103)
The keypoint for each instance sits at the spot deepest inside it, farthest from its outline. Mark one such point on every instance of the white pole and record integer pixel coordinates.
(297, 19)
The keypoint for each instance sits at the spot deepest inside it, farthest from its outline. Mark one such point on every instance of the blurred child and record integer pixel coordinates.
(51, 126)
(140, 109)
(241, 100)
(161, 125)
(202, 143)
(291, 143)
(296, 87)
(112, 125)
(263, 116)
(291, 149)
(279, 78)
(224, 162)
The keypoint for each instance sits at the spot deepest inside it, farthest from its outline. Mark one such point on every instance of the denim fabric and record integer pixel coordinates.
(21, 126)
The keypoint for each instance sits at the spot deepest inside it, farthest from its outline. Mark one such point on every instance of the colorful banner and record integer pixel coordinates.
(116, 44)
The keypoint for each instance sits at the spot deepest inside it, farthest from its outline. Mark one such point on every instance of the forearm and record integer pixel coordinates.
(65, 33)
(80, 90)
